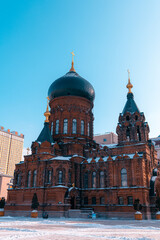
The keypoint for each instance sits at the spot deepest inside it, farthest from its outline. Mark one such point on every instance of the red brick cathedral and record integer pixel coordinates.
(71, 173)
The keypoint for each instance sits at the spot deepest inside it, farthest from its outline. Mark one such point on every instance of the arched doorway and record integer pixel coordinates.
(72, 197)
(73, 204)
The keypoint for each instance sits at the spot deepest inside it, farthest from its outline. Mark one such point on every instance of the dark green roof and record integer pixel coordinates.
(130, 105)
(71, 84)
(45, 134)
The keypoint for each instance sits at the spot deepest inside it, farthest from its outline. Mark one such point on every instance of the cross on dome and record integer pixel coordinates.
(72, 68)
(47, 113)
(129, 85)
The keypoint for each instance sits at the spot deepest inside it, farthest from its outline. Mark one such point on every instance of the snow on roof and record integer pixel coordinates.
(77, 156)
(153, 178)
(61, 186)
(61, 158)
(20, 162)
(109, 145)
(105, 158)
(96, 159)
(72, 188)
(69, 137)
(114, 157)
(115, 145)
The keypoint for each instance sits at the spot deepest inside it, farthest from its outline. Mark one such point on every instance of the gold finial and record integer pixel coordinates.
(72, 56)
(128, 74)
(28, 151)
(73, 185)
(72, 68)
(47, 113)
(129, 85)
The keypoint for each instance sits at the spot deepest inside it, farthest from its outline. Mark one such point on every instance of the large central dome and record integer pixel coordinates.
(71, 84)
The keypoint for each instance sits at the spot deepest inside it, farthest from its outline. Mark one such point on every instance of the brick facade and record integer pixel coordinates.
(74, 172)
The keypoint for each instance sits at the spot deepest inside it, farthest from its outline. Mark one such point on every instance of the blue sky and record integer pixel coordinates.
(108, 37)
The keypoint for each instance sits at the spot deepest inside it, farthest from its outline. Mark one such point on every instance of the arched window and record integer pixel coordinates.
(74, 126)
(127, 118)
(88, 130)
(36, 149)
(29, 179)
(60, 177)
(93, 200)
(65, 126)
(102, 200)
(138, 134)
(124, 177)
(101, 179)
(85, 200)
(82, 127)
(130, 200)
(49, 176)
(57, 126)
(86, 180)
(69, 176)
(52, 128)
(128, 134)
(34, 178)
(136, 117)
(19, 179)
(94, 179)
(120, 201)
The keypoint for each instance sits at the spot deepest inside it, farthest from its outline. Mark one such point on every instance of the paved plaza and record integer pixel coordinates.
(77, 229)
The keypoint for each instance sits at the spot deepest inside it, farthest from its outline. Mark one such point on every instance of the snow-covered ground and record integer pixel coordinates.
(77, 229)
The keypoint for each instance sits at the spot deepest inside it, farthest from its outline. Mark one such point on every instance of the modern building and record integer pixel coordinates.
(4, 184)
(106, 138)
(11, 148)
(157, 147)
(71, 173)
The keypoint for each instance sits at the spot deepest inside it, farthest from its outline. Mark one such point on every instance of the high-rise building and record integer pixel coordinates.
(11, 148)
(106, 138)
(5, 183)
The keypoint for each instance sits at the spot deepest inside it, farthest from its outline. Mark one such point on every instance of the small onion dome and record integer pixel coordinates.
(71, 84)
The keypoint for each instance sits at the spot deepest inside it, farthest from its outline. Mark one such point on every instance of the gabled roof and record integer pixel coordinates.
(45, 134)
(130, 105)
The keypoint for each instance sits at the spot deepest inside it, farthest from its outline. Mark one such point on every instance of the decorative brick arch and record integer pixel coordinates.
(72, 196)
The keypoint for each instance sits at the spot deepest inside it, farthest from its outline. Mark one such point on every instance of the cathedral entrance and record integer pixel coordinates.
(72, 198)
(72, 202)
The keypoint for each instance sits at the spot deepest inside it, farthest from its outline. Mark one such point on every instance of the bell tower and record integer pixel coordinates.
(131, 127)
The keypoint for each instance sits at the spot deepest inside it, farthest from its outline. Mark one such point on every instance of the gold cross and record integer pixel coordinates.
(129, 85)
(47, 100)
(47, 113)
(72, 56)
(128, 74)
(28, 151)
